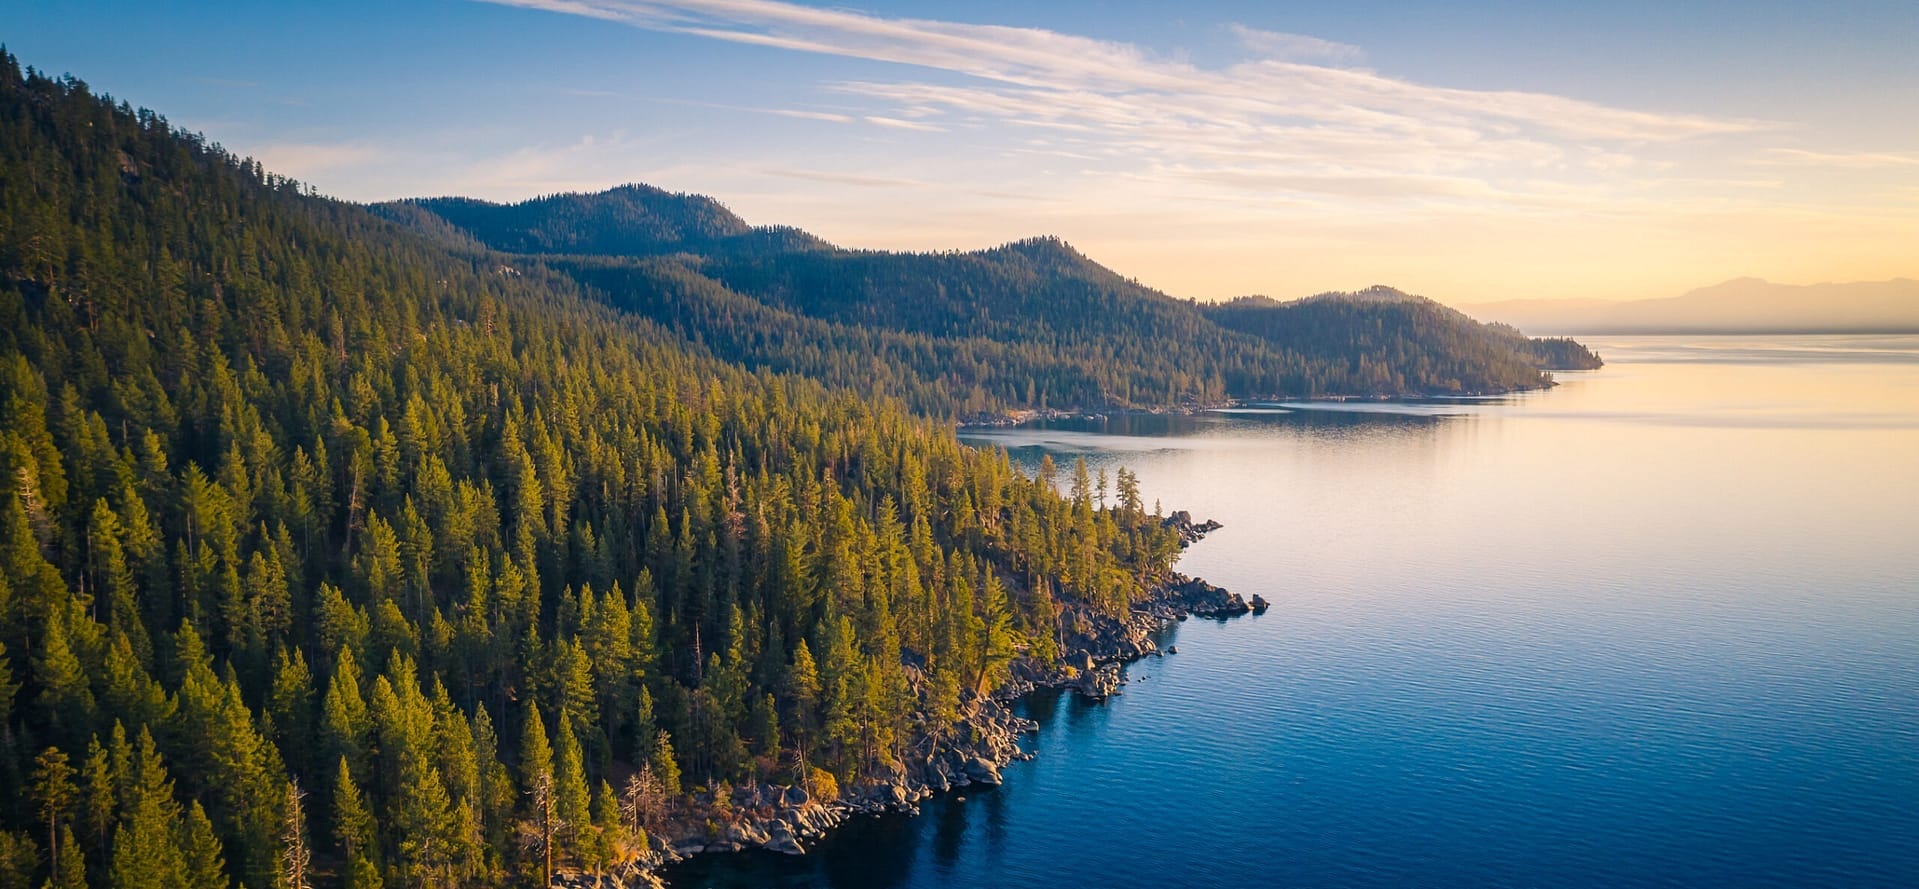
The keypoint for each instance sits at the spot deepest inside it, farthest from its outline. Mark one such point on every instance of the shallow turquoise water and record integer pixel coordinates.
(1657, 626)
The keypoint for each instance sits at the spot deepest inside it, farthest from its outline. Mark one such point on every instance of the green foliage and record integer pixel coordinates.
(290, 493)
(19, 859)
(353, 825)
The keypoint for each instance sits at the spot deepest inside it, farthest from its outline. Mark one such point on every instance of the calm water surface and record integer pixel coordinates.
(1657, 626)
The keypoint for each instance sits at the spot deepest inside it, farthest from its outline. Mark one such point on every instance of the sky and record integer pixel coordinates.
(1467, 151)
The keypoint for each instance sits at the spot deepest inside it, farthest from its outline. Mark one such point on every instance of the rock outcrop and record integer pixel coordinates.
(1189, 531)
(1190, 596)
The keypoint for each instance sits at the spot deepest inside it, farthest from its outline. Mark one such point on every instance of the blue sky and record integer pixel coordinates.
(1467, 151)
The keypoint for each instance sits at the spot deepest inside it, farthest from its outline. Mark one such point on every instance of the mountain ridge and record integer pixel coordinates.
(1029, 323)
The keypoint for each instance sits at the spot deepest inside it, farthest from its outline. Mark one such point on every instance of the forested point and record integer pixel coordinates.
(1030, 325)
(336, 552)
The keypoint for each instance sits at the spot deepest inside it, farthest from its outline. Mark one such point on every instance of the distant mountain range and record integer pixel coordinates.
(1742, 305)
(1032, 323)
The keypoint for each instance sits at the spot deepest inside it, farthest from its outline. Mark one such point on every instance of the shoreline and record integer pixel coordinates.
(785, 818)
(1010, 419)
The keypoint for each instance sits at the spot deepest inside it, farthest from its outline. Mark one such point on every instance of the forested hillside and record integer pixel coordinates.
(1383, 340)
(1033, 324)
(334, 552)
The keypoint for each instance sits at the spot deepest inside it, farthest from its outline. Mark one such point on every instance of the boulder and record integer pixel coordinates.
(784, 842)
(689, 846)
(1100, 684)
(982, 771)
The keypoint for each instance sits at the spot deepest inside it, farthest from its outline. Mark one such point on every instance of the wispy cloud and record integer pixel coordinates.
(1288, 116)
(1295, 47)
(898, 124)
(1854, 160)
(827, 116)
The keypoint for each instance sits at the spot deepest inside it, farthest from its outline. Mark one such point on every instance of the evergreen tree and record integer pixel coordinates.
(53, 794)
(70, 867)
(569, 778)
(353, 825)
(205, 864)
(665, 765)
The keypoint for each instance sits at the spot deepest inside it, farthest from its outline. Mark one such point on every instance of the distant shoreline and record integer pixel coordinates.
(1676, 331)
(1013, 419)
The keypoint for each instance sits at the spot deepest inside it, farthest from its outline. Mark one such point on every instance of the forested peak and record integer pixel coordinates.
(1049, 249)
(631, 220)
(1052, 255)
(1395, 332)
(1378, 293)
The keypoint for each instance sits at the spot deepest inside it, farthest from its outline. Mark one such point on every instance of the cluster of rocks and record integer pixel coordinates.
(1192, 597)
(1189, 531)
(632, 875)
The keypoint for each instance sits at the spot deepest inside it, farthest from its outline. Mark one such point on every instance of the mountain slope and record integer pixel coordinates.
(631, 220)
(1390, 340)
(295, 500)
(1742, 305)
(1029, 324)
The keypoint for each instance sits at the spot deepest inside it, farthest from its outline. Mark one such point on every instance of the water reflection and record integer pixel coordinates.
(1656, 626)
(949, 833)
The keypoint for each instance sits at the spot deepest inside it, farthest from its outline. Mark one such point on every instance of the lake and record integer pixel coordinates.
(1657, 626)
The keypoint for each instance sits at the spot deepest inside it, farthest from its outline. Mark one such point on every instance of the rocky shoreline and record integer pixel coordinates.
(786, 819)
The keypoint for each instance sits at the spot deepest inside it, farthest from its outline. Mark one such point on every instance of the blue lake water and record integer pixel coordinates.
(1658, 626)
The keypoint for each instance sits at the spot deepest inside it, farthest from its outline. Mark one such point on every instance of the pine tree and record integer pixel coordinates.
(541, 828)
(765, 720)
(353, 824)
(424, 823)
(99, 805)
(344, 722)
(665, 765)
(53, 793)
(570, 787)
(65, 696)
(19, 858)
(802, 689)
(644, 727)
(601, 845)
(205, 863)
(146, 854)
(70, 867)
(290, 704)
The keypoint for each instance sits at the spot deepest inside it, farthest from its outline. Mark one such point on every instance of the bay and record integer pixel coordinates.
(1658, 625)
